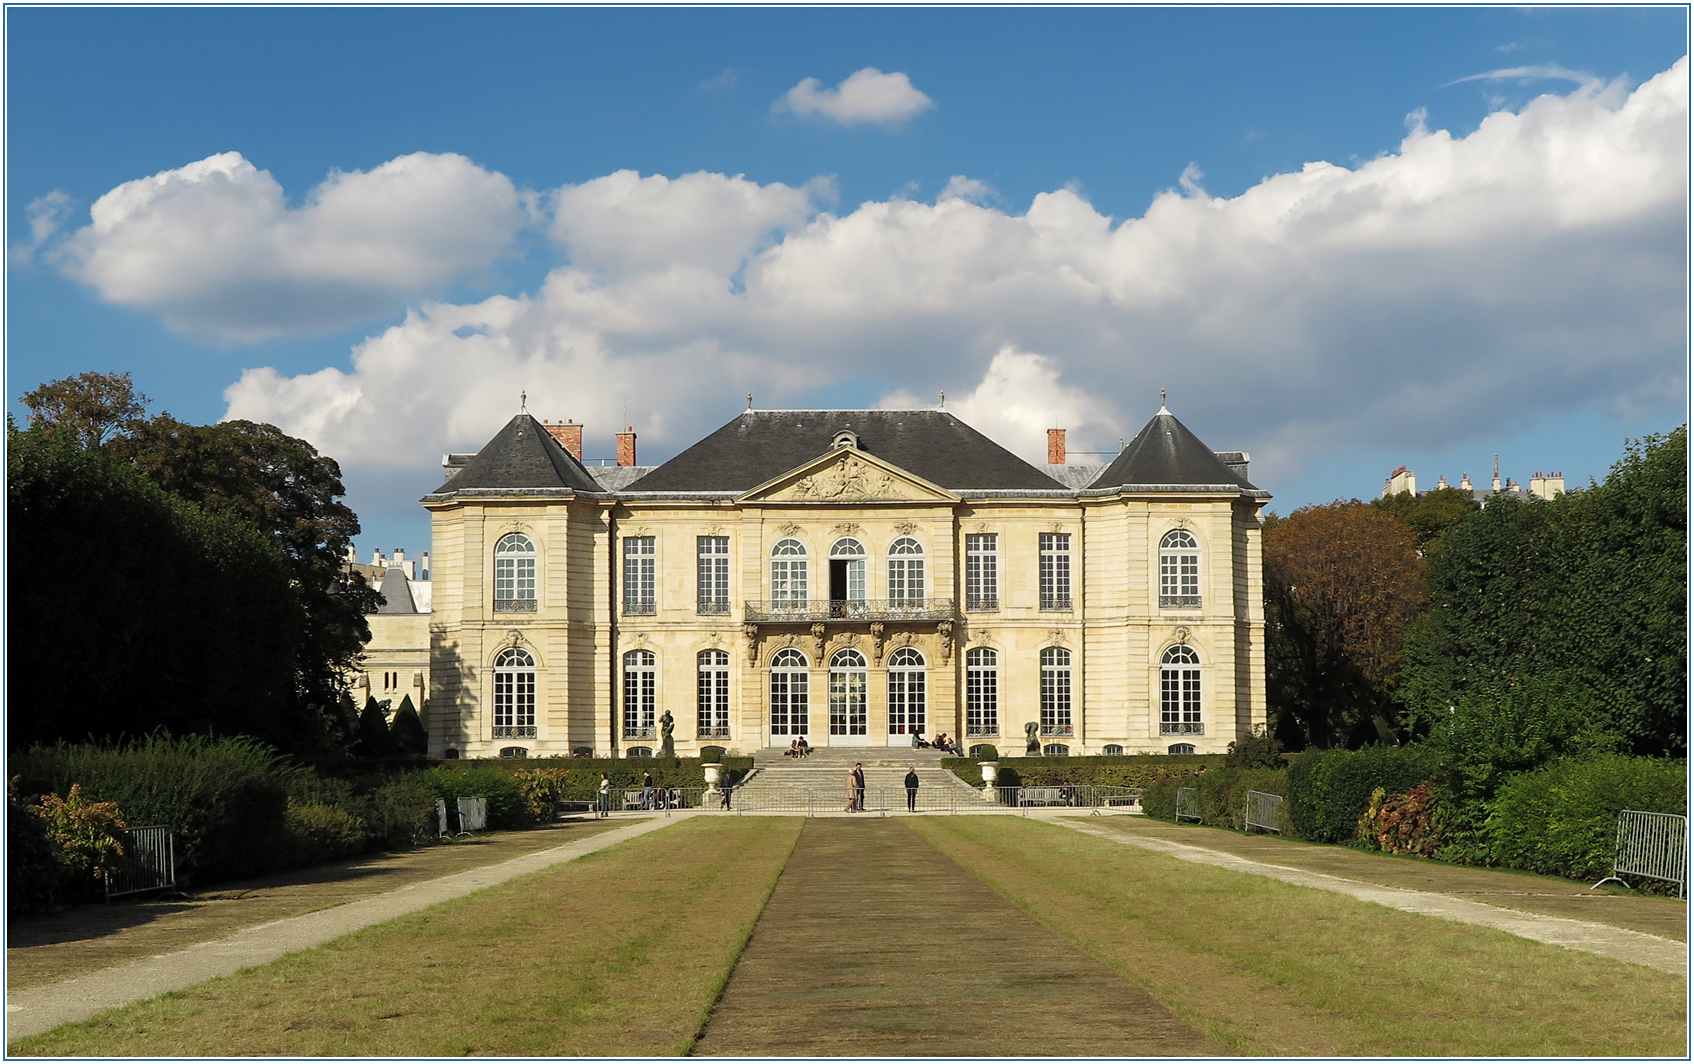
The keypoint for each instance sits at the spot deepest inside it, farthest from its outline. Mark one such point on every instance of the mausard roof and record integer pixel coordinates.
(523, 455)
(1164, 454)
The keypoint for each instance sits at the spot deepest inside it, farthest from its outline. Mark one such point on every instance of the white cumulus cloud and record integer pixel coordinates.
(1531, 267)
(215, 250)
(867, 95)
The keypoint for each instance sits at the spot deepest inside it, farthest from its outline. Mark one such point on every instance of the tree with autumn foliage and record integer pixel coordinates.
(1343, 583)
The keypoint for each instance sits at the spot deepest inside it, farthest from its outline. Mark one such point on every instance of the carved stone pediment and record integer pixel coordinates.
(848, 475)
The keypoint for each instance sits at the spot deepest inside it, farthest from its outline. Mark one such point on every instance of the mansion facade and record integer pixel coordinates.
(853, 577)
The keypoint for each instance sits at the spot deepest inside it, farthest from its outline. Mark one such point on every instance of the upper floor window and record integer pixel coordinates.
(788, 572)
(1179, 571)
(638, 574)
(713, 720)
(1179, 692)
(1055, 571)
(982, 692)
(1055, 691)
(847, 570)
(514, 574)
(982, 572)
(713, 574)
(905, 570)
(514, 694)
(640, 694)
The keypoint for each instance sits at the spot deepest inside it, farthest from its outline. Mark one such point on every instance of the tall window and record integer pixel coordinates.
(982, 692)
(788, 572)
(847, 578)
(790, 711)
(714, 574)
(982, 572)
(1055, 691)
(1179, 571)
(1055, 571)
(905, 572)
(847, 693)
(514, 574)
(640, 694)
(514, 695)
(714, 695)
(906, 692)
(638, 559)
(1179, 692)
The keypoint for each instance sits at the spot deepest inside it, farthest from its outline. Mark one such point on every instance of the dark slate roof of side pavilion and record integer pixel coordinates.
(523, 455)
(1164, 452)
(760, 445)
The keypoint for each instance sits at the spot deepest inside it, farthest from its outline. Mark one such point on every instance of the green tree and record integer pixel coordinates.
(1431, 514)
(375, 739)
(90, 405)
(410, 739)
(1342, 584)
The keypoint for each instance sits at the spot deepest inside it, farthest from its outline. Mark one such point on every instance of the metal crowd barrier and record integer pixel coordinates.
(472, 816)
(1188, 804)
(1263, 811)
(1654, 845)
(148, 862)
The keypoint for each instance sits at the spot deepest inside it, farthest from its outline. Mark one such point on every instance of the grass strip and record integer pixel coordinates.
(619, 953)
(1274, 969)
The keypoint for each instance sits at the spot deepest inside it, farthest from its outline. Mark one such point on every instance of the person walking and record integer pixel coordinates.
(605, 796)
(912, 789)
(859, 786)
(646, 789)
(852, 792)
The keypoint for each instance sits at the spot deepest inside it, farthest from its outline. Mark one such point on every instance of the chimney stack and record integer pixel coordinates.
(626, 446)
(425, 565)
(1055, 446)
(568, 434)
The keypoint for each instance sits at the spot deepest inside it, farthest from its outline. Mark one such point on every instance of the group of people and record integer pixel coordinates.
(941, 742)
(798, 748)
(856, 789)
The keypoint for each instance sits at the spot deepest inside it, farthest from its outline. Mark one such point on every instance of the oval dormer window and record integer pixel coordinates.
(845, 438)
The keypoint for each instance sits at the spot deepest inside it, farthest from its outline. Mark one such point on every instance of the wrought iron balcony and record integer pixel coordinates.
(639, 607)
(713, 733)
(714, 607)
(519, 731)
(640, 733)
(924, 609)
(514, 605)
(1179, 602)
(1056, 730)
(982, 605)
(1053, 602)
(1169, 728)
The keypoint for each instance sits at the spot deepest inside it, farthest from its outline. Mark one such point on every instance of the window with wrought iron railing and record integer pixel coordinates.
(982, 572)
(1055, 691)
(1179, 692)
(713, 575)
(1055, 574)
(1179, 571)
(639, 565)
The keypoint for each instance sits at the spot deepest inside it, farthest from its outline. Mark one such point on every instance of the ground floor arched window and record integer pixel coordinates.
(847, 684)
(907, 693)
(790, 679)
(1179, 692)
(514, 694)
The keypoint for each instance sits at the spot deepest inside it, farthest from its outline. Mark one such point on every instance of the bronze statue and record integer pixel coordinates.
(667, 725)
(1031, 737)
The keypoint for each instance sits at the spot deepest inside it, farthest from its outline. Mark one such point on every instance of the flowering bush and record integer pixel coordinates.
(88, 837)
(1404, 823)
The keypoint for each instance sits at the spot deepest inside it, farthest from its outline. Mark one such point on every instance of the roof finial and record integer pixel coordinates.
(943, 399)
(523, 402)
(749, 400)
(1162, 409)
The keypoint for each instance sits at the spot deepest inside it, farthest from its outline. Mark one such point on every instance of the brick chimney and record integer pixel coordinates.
(626, 446)
(1055, 446)
(569, 435)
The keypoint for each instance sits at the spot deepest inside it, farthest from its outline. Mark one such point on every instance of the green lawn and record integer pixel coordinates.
(1279, 970)
(620, 953)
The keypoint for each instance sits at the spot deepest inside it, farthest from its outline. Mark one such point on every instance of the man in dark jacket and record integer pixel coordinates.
(859, 787)
(912, 790)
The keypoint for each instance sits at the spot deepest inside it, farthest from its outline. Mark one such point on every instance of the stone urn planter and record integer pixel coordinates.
(990, 773)
(713, 774)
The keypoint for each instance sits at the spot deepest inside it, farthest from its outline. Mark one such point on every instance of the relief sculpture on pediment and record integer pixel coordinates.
(849, 479)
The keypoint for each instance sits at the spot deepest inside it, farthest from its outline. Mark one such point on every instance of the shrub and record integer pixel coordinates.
(1562, 819)
(987, 752)
(401, 813)
(507, 807)
(1222, 794)
(1405, 823)
(226, 799)
(320, 832)
(1329, 790)
(32, 871)
(410, 738)
(1259, 749)
(1135, 770)
(711, 755)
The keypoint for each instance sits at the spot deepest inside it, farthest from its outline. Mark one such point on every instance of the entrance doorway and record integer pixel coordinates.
(848, 681)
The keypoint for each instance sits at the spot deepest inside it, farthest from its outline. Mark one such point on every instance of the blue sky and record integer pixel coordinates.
(954, 232)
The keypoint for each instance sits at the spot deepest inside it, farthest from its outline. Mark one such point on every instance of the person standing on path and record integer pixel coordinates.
(912, 789)
(852, 792)
(859, 786)
(646, 789)
(605, 796)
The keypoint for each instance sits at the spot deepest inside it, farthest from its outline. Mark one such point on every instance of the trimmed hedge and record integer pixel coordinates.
(1329, 790)
(1562, 819)
(1222, 793)
(1134, 770)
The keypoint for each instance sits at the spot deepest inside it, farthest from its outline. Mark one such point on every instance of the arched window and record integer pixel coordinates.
(1180, 748)
(1055, 691)
(513, 751)
(905, 572)
(640, 694)
(1179, 692)
(790, 681)
(514, 694)
(514, 574)
(907, 693)
(982, 692)
(713, 720)
(1112, 750)
(847, 577)
(1056, 750)
(847, 682)
(788, 573)
(1179, 571)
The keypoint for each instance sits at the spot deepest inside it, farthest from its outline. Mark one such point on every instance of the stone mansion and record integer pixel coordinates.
(856, 577)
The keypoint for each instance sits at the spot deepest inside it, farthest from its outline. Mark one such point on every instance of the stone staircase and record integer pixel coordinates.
(823, 773)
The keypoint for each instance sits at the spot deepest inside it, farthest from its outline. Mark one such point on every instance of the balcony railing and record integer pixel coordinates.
(639, 733)
(716, 607)
(514, 731)
(1179, 602)
(1056, 730)
(1172, 728)
(713, 733)
(640, 607)
(514, 605)
(1053, 602)
(926, 609)
(981, 605)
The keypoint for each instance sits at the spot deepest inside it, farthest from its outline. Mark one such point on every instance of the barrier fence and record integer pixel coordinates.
(1188, 804)
(1654, 845)
(880, 800)
(148, 862)
(1263, 811)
